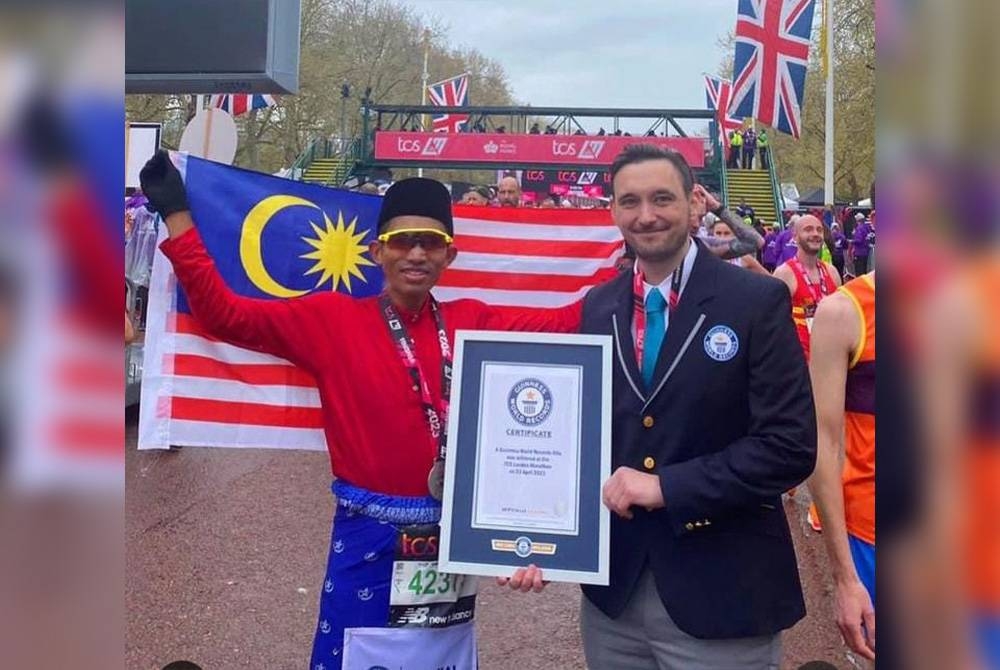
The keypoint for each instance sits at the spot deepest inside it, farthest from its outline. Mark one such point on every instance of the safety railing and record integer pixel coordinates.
(776, 194)
(723, 171)
(347, 149)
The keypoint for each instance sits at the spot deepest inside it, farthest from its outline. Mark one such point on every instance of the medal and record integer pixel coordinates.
(435, 480)
(437, 416)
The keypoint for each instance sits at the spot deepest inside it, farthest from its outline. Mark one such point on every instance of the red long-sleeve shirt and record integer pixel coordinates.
(375, 429)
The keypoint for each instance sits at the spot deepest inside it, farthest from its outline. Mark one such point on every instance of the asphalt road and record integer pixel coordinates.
(225, 550)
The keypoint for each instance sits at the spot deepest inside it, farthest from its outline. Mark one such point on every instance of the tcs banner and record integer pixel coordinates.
(501, 148)
(593, 183)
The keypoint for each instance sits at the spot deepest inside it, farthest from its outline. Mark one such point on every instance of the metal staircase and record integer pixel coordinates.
(759, 188)
(327, 171)
(326, 161)
(754, 188)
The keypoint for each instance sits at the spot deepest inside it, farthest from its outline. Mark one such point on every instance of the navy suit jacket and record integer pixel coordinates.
(728, 425)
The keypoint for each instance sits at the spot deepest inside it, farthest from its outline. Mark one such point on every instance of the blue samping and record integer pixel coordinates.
(356, 589)
(386, 508)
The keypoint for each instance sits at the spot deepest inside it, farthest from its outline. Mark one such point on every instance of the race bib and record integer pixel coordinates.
(420, 595)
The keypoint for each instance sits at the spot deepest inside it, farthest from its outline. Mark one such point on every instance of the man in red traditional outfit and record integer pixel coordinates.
(383, 367)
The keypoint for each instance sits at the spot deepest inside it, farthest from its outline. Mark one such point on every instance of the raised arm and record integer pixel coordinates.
(746, 240)
(279, 327)
(163, 186)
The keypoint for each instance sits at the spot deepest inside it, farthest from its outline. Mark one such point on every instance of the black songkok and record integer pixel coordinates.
(417, 196)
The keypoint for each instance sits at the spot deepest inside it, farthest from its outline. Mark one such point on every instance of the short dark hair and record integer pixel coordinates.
(640, 153)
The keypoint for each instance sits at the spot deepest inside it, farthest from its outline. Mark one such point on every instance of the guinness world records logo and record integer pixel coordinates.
(529, 402)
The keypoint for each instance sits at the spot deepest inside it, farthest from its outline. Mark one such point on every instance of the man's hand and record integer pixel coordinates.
(628, 487)
(711, 202)
(524, 580)
(856, 617)
(162, 184)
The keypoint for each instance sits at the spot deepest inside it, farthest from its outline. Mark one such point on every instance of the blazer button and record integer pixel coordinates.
(689, 526)
(699, 524)
(647, 421)
(648, 463)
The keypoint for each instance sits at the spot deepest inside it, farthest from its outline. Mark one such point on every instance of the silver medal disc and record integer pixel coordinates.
(435, 480)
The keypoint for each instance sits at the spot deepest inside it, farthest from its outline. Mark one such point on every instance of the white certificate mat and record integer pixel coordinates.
(529, 448)
(528, 470)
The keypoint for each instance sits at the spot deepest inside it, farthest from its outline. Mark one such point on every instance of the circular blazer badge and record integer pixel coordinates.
(529, 402)
(721, 343)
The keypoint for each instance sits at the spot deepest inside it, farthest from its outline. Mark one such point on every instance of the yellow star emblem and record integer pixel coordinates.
(338, 252)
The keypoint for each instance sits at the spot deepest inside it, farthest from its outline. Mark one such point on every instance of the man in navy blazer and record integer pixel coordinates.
(709, 428)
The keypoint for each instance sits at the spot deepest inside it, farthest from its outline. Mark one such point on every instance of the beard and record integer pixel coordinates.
(658, 251)
(810, 248)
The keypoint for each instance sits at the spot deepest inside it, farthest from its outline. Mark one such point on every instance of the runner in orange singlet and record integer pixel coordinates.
(962, 390)
(843, 375)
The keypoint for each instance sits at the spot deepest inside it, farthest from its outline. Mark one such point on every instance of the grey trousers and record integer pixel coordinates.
(644, 637)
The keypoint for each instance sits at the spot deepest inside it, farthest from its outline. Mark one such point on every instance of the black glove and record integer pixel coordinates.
(162, 184)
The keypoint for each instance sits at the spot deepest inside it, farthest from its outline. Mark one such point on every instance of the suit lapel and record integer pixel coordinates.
(687, 318)
(622, 330)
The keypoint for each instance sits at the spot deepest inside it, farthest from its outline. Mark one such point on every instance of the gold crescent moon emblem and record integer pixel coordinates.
(251, 253)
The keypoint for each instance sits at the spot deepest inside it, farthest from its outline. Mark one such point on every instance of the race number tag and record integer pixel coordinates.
(810, 311)
(420, 595)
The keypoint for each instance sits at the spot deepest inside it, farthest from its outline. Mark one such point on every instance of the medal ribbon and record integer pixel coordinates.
(437, 416)
(817, 293)
(639, 305)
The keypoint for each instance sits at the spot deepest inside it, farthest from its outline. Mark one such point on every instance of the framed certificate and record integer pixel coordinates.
(529, 447)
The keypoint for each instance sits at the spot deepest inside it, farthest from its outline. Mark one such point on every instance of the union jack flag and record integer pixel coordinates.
(452, 92)
(772, 51)
(719, 93)
(241, 103)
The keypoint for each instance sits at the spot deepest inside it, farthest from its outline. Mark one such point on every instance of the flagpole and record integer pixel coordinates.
(423, 91)
(828, 57)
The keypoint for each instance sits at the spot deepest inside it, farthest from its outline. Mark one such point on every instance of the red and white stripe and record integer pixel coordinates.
(199, 391)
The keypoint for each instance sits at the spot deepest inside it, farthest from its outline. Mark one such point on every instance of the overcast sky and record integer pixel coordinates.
(608, 53)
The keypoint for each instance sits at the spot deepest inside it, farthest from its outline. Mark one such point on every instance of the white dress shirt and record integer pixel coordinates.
(664, 286)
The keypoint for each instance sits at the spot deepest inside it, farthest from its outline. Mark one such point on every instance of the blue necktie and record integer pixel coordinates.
(655, 329)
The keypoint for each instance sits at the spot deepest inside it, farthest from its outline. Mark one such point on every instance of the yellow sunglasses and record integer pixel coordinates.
(430, 239)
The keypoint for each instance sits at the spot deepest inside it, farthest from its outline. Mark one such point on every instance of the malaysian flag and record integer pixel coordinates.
(241, 103)
(718, 94)
(199, 391)
(452, 92)
(772, 52)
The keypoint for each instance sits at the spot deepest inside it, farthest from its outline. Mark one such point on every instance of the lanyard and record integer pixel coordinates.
(817, 293)
(639, 304)
(436, 416)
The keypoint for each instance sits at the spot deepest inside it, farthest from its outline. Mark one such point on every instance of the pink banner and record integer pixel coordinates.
(501, 148)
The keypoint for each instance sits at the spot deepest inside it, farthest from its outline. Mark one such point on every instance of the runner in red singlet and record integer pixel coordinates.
(809, 280)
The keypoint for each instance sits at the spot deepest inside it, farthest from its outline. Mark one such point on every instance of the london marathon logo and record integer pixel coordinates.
(529, 402)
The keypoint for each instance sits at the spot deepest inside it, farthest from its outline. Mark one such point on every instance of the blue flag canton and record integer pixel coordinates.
(274, 238)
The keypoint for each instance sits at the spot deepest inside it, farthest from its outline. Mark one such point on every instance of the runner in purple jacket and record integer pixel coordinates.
(861, 244)
(787, 247)
(770, 255)
(839, 247)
